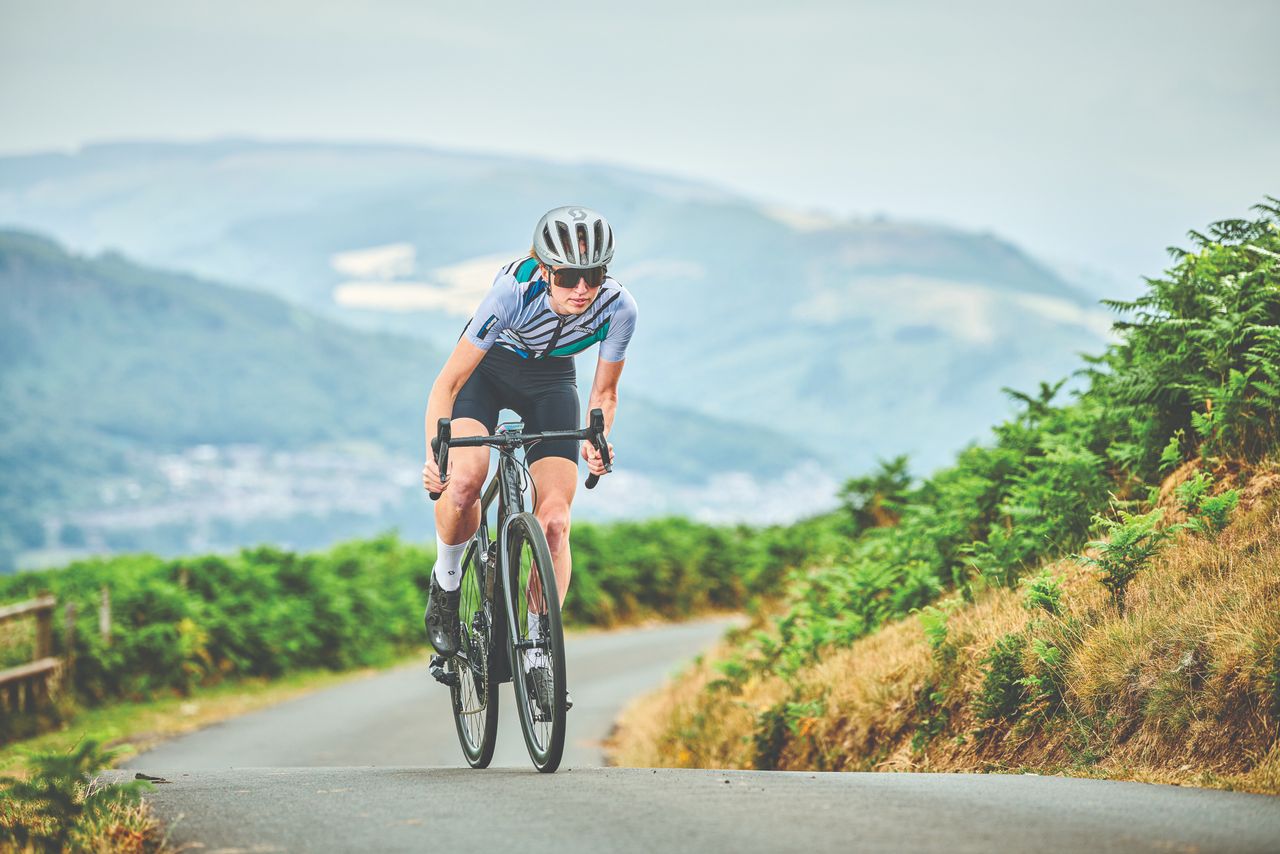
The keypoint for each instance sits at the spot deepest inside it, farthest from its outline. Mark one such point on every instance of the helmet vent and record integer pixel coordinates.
(568, 250)
(584, 245)
(599, 242)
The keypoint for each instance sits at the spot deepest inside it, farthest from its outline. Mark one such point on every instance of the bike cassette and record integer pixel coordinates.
(444, 677)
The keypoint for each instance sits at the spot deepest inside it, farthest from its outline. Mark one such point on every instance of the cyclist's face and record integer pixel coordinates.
(570, 300)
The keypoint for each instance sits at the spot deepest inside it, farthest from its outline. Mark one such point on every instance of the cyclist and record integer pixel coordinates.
(542, 310)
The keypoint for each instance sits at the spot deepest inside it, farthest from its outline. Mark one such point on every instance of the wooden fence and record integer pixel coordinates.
(27, 686)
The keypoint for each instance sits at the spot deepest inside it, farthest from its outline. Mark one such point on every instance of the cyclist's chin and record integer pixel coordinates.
(571, 307)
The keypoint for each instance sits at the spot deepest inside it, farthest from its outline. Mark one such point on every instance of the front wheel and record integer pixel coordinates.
(537, 640)
(474, 690)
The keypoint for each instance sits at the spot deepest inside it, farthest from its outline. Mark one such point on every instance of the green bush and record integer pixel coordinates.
(1043, 592)
(1209, 514)
(1003, 680)
(177, 624)
(1134, 540)
(1045, 683)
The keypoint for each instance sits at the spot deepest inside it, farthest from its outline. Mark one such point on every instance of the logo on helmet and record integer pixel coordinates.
(578, 214)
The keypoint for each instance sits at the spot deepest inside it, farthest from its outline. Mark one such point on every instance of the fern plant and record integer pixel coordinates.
(1134, 540)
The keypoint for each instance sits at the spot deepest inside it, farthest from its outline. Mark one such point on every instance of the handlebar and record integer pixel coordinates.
(593, 433)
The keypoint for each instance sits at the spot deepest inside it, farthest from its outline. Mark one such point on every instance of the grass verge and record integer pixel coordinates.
(1181, 685)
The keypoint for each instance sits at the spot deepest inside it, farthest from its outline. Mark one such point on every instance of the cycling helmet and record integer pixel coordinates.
(573, 236)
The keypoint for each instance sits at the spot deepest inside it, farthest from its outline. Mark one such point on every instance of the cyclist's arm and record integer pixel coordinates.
(493, 315)
(453, 376)
(613, 351)
(604, 390)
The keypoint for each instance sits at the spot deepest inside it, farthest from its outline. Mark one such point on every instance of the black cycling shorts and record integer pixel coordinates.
(543, 392)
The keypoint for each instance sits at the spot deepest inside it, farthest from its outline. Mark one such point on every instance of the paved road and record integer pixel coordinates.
(415, 809)
(358, 767)
(403, 717)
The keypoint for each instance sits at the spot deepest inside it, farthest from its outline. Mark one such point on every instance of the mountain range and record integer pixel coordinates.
(843, 340)
(147, 409)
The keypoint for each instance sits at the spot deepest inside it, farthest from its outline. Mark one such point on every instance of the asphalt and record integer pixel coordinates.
(403, 717)
(375, 765)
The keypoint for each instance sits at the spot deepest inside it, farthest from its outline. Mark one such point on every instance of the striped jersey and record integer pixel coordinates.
(517, 315)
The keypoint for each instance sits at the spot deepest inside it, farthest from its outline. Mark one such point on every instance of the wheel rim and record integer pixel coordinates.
(529, 583)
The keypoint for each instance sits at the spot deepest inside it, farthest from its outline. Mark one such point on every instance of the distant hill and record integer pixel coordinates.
(884, 336)
(147, 409)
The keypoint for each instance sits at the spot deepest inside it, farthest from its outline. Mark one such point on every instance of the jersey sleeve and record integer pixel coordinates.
(496, 312)
(621, 326)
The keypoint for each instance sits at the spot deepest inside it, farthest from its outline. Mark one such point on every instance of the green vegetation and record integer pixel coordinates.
(1130, 543)
(1187, 396)
(58, 809)
(1201, 358)
(1001, 694)
(182, 623)
(1208, 514)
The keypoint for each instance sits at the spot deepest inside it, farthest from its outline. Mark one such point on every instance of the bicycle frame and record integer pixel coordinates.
(505, 488)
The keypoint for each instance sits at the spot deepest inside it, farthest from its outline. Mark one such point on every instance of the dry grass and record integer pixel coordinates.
(129, 828)
(1183, 687)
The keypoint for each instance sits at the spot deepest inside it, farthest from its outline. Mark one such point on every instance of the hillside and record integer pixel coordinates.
(147, 409)
(900, 333)
(1094, 591)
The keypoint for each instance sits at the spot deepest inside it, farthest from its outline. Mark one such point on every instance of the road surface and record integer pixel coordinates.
(375, 765)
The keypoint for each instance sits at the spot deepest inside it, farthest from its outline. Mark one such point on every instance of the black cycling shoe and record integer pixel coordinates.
(441, 619)
(539, 683)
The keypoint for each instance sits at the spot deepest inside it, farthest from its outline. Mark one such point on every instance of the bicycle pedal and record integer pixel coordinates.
(444, 677)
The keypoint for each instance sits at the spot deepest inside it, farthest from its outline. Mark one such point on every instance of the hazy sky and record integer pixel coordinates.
(1095, 133)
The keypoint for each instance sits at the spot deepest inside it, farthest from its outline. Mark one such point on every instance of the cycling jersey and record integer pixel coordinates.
(516, 314)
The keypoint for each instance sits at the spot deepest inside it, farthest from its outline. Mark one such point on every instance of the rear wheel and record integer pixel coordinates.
(474, 692)
(537, 662)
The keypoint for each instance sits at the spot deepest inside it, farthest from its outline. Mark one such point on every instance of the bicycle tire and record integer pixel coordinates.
(475, 696)
(527, 557)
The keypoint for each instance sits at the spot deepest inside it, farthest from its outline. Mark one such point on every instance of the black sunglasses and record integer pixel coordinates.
(569, 277)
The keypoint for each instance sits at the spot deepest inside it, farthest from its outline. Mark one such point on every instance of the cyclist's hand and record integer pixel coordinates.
(431, 476)
(595, 464)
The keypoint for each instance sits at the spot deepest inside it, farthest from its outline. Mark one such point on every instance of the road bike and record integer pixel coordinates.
(508, 587)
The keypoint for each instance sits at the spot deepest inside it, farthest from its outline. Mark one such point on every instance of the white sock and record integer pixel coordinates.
(448, 569)
(534, 657)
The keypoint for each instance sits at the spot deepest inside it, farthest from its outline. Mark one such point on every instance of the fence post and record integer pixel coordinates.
(44, 632)
(69, 639)
(104, 616)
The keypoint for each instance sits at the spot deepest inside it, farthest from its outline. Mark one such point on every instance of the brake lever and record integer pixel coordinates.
(597, 439)
(440, 447)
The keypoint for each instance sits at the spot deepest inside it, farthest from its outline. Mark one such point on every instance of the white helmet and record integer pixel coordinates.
(573, 236)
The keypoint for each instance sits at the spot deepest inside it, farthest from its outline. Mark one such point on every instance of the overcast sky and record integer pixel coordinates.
(1093, 133)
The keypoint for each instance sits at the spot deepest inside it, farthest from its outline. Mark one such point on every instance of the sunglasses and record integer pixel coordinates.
(569, 277)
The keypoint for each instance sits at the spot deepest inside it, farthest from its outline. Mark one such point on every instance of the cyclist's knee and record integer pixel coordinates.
(466, 482)
(555, 523)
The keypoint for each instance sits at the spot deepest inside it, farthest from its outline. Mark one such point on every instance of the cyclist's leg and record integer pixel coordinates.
(556, 479)
(475, 413)
(554, 466)
(458, 510)
(457, 513)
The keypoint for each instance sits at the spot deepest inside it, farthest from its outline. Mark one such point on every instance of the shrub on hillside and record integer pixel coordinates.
(1196, 372)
